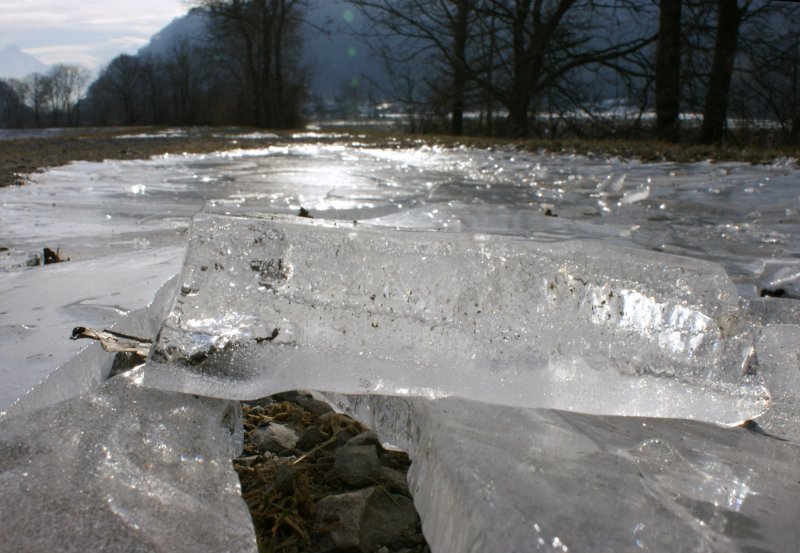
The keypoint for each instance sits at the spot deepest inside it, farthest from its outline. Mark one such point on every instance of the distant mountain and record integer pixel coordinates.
(337, 60)
(16, 64)
(191, 27)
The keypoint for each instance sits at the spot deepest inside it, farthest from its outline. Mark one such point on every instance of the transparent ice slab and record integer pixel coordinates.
(779, 356)
(274, 303)
(122, 469)
(490, 478)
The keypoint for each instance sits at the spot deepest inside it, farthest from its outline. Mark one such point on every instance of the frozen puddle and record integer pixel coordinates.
(540, 371)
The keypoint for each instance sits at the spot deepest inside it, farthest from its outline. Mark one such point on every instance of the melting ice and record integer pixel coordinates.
(269, 304)
(455, 316)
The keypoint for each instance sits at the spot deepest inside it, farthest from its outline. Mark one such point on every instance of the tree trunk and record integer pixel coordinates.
(459, 67)
(668, 72)
(729, 18)
(518, 117)
(281, 115)
(520, 93)
(794, 130)
(266, 93)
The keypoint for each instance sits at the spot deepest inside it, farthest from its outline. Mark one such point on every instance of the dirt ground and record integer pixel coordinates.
(20, 157)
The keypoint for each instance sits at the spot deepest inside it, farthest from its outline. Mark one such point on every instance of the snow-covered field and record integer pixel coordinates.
(683, 253)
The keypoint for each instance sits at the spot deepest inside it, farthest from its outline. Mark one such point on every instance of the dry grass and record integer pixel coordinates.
(281, 492)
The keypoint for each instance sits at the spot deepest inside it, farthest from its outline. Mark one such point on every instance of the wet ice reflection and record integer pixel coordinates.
(732, 213)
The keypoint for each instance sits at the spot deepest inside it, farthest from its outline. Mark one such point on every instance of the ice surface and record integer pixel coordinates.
(745, 217)
(502, 476)
(489, 478)
(123, 468)
(779, 355)
(40, 306)
(91, 366)
(269, 304)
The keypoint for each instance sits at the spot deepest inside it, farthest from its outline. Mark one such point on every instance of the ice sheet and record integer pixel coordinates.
(779, 355)
(40, 306)
(503, 477)
(744, 217)
(122, 468)
(490, 478)
(270, 304)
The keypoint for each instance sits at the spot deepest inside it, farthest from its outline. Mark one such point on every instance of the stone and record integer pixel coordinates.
(304, 400)
(275, 438)
(291, 396)
(366, 520)
(366, 438)
(392, 480)
(314, 406)
(312, 437)
(356, 465)
(342, 437)
(284, 480)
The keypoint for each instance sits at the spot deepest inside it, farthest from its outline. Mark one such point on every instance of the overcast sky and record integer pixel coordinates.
(87, 32)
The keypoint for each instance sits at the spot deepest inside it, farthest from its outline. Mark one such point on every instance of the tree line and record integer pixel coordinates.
(546, 65)
(693, 70)
(49, 99)
(245, 68)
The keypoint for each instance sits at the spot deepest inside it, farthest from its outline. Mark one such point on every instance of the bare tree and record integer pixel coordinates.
(12, 106)
(668, 71)
(765, 88)
(258, 43)
(67, 84)
(461, 26)
(19, 114)
(511, 50)
(434, 34)
(122, 81)
(539, 43)
(729, 20)
(154, 91)
(41, 92)
(187, 75)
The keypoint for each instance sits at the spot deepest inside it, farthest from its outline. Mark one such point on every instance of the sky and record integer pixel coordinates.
(87, 32)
